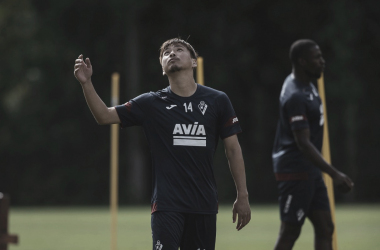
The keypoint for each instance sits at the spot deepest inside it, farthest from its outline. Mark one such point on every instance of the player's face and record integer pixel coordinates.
(313, 63)
(176, 57)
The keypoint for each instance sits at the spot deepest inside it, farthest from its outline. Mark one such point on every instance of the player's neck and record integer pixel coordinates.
(301, 76)
(182, 84)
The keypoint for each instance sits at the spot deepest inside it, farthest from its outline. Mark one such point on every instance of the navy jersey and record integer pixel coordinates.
(183, 134)
(300, 108)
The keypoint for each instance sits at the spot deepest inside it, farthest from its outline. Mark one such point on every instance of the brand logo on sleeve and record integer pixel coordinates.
(314, 90)
(189, 135)
(202, 107)
(231, 121)
(128, 105)
(298, 118)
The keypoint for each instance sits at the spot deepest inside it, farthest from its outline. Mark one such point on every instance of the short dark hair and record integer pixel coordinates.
(169, 42)
(299, 47)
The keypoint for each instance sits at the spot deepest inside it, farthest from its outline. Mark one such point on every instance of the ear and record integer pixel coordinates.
(301, 61)
(163, 71)
(194, 63)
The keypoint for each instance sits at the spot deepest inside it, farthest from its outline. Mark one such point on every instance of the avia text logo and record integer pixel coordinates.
(189, 135)
(190, 129)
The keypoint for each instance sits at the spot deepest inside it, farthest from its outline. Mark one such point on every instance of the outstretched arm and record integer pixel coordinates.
(235, 158)
(102, 114)
(302, 137)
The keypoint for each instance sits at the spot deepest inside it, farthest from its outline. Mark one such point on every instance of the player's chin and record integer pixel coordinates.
(315, 75)
(318, 75)
(174, 68)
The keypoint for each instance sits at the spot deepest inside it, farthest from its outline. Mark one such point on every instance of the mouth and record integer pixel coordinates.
(173, 60)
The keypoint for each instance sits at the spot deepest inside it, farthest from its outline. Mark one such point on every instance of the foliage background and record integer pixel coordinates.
(52, 152)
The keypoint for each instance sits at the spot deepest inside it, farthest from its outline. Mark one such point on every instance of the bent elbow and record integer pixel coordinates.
(303, 147)
(101, 121)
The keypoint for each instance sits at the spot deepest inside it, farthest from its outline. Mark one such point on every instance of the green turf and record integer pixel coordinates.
(88, 228)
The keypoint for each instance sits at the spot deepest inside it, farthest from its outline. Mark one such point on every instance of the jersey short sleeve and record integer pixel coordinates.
(228, 122)
(296, 110)
(134, 112)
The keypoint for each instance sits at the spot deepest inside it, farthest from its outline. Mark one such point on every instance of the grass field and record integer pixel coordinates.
(88, 229)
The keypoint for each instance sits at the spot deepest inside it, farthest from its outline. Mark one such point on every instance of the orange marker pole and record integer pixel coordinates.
(200, 74)
(326, 155)
(114, 163)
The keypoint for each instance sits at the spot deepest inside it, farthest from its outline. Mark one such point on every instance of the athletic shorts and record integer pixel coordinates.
(298, 198)
(171, 230)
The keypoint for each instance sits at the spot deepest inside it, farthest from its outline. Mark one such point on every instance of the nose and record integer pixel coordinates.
(172, 53)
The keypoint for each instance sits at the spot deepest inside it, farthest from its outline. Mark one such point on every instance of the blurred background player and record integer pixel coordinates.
(183, 123)
(297, 160)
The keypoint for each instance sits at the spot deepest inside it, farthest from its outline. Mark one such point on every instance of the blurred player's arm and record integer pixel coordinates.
(235, 159)
(102, 114)
(304, 144)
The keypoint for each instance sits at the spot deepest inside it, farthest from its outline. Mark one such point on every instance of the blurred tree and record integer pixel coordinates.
(53, 152)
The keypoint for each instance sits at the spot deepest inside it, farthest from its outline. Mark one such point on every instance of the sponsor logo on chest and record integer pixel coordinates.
(189, 135)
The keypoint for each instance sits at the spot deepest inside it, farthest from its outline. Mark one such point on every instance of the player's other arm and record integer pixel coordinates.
(304, 144)
(102, 114)
(235, 159)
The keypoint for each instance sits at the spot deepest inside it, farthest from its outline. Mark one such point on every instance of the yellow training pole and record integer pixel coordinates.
(200, 74)
(114, 162)
(327, 157)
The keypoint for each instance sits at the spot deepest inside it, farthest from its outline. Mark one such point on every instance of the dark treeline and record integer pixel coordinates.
(52, 152)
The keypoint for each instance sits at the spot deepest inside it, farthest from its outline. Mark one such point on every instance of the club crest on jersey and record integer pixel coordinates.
(189, 135)
(202, 107)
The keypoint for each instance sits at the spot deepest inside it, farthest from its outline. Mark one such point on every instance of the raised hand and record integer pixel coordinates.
(82, 70)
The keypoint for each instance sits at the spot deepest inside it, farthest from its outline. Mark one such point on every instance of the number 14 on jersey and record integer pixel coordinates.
(188, 107)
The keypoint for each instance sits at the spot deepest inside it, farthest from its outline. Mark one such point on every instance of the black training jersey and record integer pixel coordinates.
(300, 108)
(183, 134)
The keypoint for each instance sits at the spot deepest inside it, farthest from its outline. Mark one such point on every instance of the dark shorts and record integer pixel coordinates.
(171, 230)
(298, 198)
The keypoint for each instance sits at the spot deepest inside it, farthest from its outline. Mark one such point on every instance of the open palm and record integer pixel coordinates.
(82, 69)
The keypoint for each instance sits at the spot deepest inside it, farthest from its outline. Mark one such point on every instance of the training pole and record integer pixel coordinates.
(327, 157)
(114, 162)
(200, 74)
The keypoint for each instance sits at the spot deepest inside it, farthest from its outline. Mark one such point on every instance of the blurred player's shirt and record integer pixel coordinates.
(300, 108)
(183, 134)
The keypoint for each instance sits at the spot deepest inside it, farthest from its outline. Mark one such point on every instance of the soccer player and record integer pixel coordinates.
(183, 123)
(297, 160)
